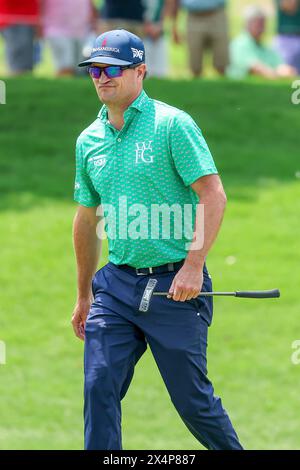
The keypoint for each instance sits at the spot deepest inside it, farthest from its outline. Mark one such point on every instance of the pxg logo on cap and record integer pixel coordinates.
(117, 47)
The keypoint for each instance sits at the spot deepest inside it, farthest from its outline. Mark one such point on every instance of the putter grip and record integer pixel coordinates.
(259, 294)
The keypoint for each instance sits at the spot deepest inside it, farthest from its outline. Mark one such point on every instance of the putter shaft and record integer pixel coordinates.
(208, 294)
(257, 294)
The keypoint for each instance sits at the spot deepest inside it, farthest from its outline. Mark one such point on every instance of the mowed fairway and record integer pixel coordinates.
(253, 131)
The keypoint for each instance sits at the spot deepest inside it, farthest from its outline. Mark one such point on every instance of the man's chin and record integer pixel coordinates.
(106, 94)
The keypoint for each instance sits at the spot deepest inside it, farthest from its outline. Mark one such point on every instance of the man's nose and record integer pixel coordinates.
(103, 78)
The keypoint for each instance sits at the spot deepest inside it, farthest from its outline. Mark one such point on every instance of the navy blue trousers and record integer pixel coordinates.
(116, 336)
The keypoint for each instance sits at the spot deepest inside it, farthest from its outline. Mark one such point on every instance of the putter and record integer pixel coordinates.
(252, 294)
(248, 294)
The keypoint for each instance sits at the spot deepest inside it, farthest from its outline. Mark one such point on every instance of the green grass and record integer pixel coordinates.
(253, 131)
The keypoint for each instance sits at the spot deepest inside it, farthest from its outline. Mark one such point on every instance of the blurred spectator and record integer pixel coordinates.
(207, 28)
(66, 25)
(287, 42)
(155, 41)
(145, 19)
(18, 20)
(250, 56)
(119, 14)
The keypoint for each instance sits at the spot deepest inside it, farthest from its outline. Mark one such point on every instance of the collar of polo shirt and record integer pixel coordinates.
(138, 103)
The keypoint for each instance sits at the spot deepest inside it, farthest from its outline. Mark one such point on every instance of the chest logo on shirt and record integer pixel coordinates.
(143, 151)
(99, 161)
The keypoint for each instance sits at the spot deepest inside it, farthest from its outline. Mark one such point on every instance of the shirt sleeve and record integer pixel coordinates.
(189, 150)
(84, 191)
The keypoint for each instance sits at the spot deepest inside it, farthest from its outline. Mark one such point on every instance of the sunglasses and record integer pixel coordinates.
(111, 71)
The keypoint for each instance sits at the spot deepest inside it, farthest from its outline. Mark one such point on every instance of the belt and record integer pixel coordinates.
(164, 268)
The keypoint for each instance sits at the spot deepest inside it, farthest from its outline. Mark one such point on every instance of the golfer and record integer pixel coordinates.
(138, 156)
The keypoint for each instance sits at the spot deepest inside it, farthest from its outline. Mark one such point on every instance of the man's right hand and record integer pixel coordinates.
(80, 313)
(153, 30)
(87, 247)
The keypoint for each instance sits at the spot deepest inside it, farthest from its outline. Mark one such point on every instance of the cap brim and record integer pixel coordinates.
(104, 60)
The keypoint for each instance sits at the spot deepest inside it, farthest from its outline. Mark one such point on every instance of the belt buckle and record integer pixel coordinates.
(143, 274)
(139, 274)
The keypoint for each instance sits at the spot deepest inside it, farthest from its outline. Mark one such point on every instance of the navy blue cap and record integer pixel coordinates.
(117, 47)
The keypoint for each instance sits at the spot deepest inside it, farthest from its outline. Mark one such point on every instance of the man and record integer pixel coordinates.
(18, 22)
(144, 18)
(141, 154)
(155, 40)
(119, 14)
(248, 54)
(207, 28)
(67, 38)
(288, 39)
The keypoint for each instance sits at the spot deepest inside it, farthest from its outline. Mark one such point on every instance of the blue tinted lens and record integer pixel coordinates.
(95, 72)
(113, 71)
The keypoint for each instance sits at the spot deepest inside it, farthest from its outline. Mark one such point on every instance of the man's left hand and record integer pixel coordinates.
(187, 283)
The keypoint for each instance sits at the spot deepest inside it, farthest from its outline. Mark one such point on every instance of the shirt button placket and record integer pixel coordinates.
(119, 147)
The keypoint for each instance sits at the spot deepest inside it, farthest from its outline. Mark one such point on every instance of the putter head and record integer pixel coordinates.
(147, 296)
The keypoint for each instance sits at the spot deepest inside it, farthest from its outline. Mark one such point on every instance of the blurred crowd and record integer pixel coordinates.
(69, 28)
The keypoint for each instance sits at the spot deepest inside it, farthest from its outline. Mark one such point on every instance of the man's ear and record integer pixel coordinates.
(142, 71)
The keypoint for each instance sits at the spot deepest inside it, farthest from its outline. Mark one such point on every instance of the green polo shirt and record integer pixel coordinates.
(141, 176)
(246, 52)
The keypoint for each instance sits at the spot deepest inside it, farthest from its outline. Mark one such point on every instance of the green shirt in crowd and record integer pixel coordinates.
(288, 24)
(245, 52)
(146, 167)
(153, 10)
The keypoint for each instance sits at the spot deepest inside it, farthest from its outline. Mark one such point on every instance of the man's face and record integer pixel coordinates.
(256, 27)
(120, 90)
